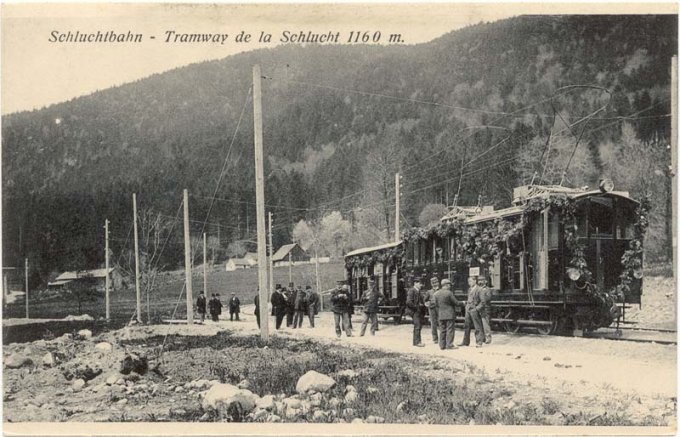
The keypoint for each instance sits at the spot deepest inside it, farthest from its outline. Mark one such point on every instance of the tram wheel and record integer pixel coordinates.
(511, 327)
(552, 327)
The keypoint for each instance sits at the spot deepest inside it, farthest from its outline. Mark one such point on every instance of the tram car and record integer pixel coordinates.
(558, 260)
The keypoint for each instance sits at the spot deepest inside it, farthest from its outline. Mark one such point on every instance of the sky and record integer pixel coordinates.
(37, 72)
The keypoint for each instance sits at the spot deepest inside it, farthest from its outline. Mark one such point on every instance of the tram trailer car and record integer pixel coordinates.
(558, 260)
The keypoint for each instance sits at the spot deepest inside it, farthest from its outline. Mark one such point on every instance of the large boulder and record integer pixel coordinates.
(85, 334)
(314, 381)
(104, 346)
(223, 397)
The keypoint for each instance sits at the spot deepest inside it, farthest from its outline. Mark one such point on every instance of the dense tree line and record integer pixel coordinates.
(499, 97)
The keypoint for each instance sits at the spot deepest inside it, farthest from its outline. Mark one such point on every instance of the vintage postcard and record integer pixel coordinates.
(339, 218)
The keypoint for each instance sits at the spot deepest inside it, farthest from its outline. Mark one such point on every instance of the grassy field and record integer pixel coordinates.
(168, 292)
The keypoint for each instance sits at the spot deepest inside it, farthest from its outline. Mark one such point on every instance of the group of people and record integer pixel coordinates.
(293, 303)
(442, 305)
(214, 306)
(343, 308)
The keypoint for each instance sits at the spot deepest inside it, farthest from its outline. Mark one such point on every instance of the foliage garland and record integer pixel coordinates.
(632, 257)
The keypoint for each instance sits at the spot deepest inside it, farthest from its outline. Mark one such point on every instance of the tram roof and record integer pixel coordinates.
(518, 209)
(374, 248)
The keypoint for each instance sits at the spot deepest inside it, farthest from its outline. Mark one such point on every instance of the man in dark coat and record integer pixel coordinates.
(200, 305)
(218, 305)
(212, 307)
(312, 304)
(415, 308)
(300, 307)
(446, 304)
(341, 299)
(484, 307)
(234, 307)
(290, 304)
(257, 307)
(432, 308)
(472, 315)
(278, 306)
(370, 300)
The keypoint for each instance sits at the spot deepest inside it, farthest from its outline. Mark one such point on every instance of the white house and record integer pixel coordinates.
(240, 263)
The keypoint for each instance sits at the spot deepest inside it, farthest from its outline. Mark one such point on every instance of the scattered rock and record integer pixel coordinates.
(104, 346)
(350, 388)
(315, 399)
(122, 401)
(292, 413)
(85, 334)
(120, 381)
(558, 365)
(16, 361)
(273, 418)
(292, 403)
(422, 418)
(556, 419)
(375, 419)
(223, 396)
(132, 377)
(245, 384)
(48, 359)
(372, 390)
(316, 381)
(78, 384)
(179, 389)
(349, 412)
(334, 402)
(401, 406)
(357, 420)
(81, 318)
(547, 358)
(134, 363)
(204, 418)
(472, 422)
(348, 373)
(351, 397)
(260, 414)
(79, 370)
(510, 405)
(320, 416)
(265, 402)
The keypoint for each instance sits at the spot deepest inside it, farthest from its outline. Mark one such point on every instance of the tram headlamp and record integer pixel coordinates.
(606, 185)
(574, 274)
(637, 273)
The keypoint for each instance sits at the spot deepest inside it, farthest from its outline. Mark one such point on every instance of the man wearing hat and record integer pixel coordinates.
(446, 304)
(278, 305)
(312, 304)
(234, 307)
(341, 299)
(300, 307)
(371, 301)
(483, 307)
(432, 308)
(415, 308)
(290, 304)
(256, 301)
(472, 315)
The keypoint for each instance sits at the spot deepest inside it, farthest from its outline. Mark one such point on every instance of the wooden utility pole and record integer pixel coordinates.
(187, 260)
(26, 277)
(108, 281)
(259, 196)
(137, 289)
(674, 162)
(397, 184)
(271, 256)
(290, 267)
(205, 263)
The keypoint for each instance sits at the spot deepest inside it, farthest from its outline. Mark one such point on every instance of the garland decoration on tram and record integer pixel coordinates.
(632, 257)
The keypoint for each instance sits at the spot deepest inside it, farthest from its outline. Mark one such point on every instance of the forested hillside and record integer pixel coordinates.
(500, 104)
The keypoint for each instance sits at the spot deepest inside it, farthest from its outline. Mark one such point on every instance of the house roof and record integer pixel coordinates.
(283, 252)
(57, 283)
(371, 249)
(250, 255)
(96, 273)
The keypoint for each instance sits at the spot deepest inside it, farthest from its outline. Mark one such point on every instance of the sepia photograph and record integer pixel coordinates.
(340, 219)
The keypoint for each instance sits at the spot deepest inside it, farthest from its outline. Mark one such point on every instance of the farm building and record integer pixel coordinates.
(240, 263)
(118, 281)
(290, 253)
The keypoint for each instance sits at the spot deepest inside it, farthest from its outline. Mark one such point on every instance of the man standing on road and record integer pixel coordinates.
(484, 307)
(278, 306)
(312, 304)
(415, 308)
(290, 304)
(432, 308)
(446, 304)
(200, 305)
(370, 301)
(300, 308)
(341, 300)
(234, 307)
(471, 315)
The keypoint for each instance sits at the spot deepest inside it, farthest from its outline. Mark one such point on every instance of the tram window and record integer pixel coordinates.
(601, 217)
(553, 231)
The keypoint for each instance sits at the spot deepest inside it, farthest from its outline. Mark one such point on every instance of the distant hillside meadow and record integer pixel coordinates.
(476, 112)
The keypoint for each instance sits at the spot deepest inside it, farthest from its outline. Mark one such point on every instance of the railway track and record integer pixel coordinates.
(637, 335)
